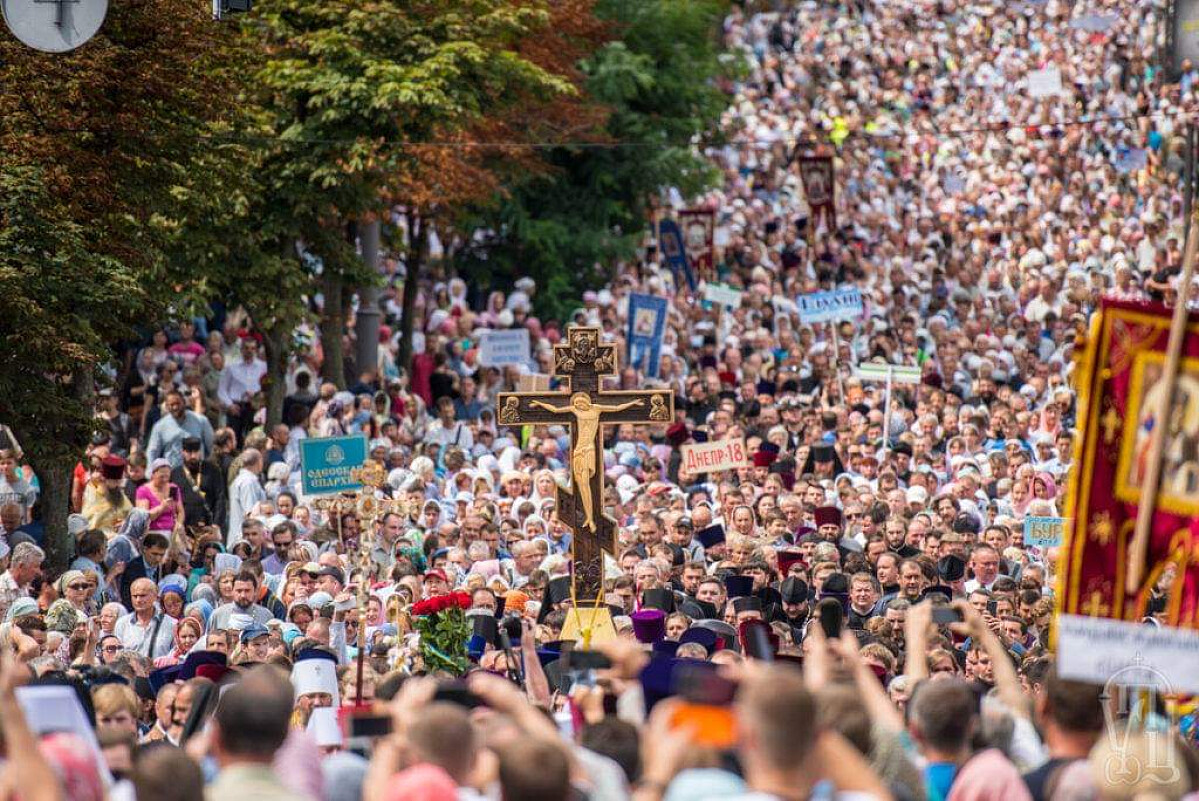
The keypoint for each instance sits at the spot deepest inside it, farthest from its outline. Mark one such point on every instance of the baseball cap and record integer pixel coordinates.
(252, 633)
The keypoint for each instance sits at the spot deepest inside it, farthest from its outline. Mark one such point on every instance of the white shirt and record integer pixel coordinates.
(456, 436)
(244, 492)
(134, 636)
(241, 380)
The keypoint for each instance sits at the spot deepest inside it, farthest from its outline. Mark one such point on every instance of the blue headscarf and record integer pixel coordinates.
(205, 607)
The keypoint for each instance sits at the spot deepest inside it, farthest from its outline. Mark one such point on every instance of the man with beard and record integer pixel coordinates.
(792, 607)
(245, 595)
(106, 505)
(202, 485)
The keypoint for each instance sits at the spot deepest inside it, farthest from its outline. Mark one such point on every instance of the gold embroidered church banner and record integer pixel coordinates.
(1118, 378)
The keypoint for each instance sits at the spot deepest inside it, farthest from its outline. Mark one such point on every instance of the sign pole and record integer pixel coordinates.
(1161, 418)
(837, 360)
(887, 411)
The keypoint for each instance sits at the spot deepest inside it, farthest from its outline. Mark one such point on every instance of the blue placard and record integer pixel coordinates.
(1131, 159)
(326, 463)
(647, 324)
(670, 239)
(1044, 532)
(823, 307)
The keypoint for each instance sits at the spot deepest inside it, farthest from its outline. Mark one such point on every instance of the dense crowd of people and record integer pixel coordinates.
(209, 629)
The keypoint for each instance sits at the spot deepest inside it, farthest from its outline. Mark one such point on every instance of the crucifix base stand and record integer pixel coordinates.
(589, 626)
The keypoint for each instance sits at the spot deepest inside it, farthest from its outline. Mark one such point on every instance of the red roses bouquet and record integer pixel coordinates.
(441, 622)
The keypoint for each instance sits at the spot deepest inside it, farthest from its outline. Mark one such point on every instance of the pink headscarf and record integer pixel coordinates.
(75, 763)
(421, 783)
(1050, 486)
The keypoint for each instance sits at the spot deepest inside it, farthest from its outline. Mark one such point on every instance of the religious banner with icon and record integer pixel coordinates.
(820, 187)
(699, 235)
(1118, 378)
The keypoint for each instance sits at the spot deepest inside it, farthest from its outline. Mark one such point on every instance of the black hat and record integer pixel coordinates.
(711, 536)
(951, 567)
(658, 598)
(937, 589)
(557, 590)
(697, 634)
(739, 586)
(724, 631)
(486, 627)
(794, 590)
(698, 610)
(191, 444)
(835, 585)
(965, 523)
(823, 453)
(750, 603)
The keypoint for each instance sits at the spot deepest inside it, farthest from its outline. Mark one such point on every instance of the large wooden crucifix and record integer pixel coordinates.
(583, 360)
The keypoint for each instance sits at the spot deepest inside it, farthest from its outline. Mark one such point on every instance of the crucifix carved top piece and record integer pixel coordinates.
(583, 360)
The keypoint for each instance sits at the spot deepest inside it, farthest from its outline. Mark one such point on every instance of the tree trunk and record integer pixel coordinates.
(333, 328)
(418, 253)
(275, 341)
(367, 322)
(55, 468)
(54, 476)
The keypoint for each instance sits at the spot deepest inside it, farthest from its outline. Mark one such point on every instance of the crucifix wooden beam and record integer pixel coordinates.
(583, 360)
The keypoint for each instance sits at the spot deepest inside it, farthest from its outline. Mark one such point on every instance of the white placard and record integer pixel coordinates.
(722, 294)
(714, 457)
(834, 306)
(510, 346)
(1100, 650)
(1045, 83)
(900, 374)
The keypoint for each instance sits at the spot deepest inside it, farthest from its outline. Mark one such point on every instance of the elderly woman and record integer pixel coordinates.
(74, 587)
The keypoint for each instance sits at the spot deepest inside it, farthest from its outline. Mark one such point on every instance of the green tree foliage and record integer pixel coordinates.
(93, 145)
(659, 76)
(341, 94)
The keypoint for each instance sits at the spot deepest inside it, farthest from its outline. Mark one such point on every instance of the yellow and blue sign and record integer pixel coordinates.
(326, 464)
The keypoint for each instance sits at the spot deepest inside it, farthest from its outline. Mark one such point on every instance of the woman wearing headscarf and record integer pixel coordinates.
(545, 487)
(173, 600)
(74, 588)
(161, 498)
(187, 633)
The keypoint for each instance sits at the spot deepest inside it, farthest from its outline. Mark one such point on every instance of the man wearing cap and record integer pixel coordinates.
(202, 484)
(255, 643)
(436, 583)
(167, 435)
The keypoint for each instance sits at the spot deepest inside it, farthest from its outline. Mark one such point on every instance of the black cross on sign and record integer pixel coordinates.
(583, 360)
(61, 15)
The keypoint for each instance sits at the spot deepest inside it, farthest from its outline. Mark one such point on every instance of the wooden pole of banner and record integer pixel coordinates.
(837, 360)
(1161, 418)
(887, 410)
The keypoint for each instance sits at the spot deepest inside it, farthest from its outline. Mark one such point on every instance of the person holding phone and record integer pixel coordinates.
(161, 498)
